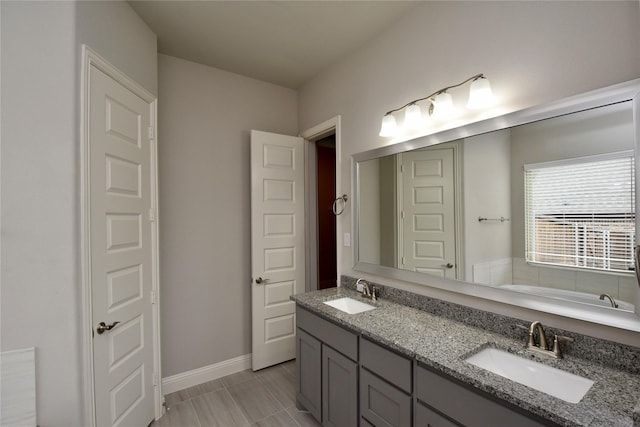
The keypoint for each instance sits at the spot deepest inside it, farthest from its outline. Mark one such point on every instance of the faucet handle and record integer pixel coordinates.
(366, 291)
(557, 351)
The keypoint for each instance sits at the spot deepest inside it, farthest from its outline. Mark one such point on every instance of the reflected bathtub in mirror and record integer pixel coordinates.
(580, 297)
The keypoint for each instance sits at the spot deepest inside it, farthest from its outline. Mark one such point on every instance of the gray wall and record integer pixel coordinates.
(205, 116)
(40, 178)
(39, 124)
(533, 52)
(118, 34)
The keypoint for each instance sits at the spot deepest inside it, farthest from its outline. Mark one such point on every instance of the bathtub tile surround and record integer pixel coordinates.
(440, 336)
(627, 288)
(603, 352)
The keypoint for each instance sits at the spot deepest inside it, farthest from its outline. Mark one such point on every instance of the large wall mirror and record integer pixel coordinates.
(534, 205)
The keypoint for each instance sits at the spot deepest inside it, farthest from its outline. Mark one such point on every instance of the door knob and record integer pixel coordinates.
(260, 280)
(448, 265)
(102, 327)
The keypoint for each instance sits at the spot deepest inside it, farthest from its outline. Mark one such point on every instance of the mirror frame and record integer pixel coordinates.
(627, 91)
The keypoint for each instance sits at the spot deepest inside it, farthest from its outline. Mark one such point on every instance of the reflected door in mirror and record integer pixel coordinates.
(428, 210)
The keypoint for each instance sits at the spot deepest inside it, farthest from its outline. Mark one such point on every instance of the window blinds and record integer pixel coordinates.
(581, 212)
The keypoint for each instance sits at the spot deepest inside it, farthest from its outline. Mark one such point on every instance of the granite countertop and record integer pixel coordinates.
(444, 344)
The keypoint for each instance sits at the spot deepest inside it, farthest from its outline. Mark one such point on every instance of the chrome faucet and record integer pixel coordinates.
(613, 302)
(366, 291)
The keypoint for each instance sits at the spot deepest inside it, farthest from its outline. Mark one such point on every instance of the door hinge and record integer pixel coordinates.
(153, 297)
(155, 378)
(150, 129)
(402, 215)
(403, 261)
(152, 215)
(402, 168)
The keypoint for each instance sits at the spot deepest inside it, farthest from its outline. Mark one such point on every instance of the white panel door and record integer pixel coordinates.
(277, 244)
(428, 220)
(121, 253)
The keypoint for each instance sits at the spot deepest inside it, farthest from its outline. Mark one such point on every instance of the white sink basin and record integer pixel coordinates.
(557, 383)
(350, 305)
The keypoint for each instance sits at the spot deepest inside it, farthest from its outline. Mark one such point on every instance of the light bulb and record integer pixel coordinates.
(413, 117)
(480, 94)
(442, 105)
(389, 126)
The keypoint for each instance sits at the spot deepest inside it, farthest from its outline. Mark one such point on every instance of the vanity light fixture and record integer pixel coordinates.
(440, 105)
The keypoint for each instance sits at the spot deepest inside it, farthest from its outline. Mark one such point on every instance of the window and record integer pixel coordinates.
(581, 212)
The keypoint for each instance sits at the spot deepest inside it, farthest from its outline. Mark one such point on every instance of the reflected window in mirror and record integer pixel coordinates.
(580, 212)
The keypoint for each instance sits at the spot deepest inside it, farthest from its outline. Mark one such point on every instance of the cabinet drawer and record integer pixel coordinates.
(466, 406)
(426, 417)
(386, 364)
(333, 335)
(383, 404)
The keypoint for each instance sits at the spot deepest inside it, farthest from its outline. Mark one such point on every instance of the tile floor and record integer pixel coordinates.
(265, 398)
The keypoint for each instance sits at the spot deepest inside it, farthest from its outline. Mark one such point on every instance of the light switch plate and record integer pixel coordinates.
(347, 239)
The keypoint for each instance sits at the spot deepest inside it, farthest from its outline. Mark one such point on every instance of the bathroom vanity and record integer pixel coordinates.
(401, 366)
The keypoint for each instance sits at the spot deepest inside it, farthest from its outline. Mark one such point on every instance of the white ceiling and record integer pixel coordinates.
(282, 42)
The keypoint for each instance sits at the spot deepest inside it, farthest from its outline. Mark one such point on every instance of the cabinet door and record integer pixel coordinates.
(339, 389)
(309, 378)
(383, 404)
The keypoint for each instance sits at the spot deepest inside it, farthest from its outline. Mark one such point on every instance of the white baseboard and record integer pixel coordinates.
(206, 373)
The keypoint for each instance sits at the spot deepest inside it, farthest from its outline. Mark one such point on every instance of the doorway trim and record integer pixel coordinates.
(91, 58)
(328, 127)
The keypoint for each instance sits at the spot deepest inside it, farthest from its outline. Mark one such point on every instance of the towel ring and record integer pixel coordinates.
(334, 208)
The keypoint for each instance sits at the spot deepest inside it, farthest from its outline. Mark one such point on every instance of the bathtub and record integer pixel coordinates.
(575, 296)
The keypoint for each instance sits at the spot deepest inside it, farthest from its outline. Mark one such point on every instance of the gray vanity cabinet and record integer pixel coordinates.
(339, 389)
(327, 383)
(346, 380)
(444, 402)
(385, 386)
